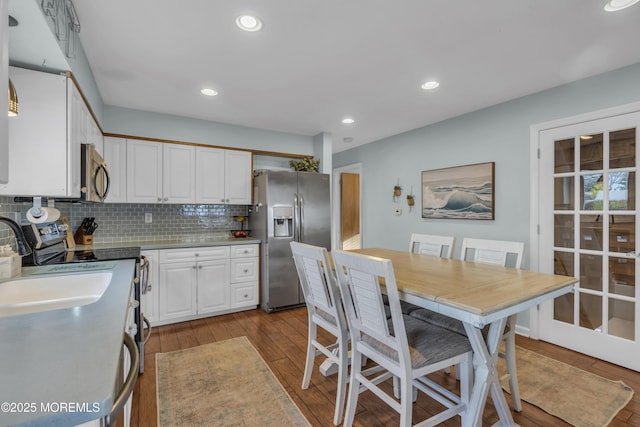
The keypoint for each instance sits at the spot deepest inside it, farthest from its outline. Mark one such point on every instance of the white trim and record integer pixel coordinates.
(534, 173)
(337, 220)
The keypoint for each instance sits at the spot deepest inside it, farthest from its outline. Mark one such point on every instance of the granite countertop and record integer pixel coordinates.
(185, 242)
(58, 368)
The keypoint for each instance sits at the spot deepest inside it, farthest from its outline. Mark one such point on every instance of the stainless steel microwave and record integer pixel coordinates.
(94, 178)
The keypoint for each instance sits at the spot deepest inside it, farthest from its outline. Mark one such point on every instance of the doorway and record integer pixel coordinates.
(587, 213)
(347, 215)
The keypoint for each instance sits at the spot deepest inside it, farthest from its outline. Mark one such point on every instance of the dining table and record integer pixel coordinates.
(478, 295)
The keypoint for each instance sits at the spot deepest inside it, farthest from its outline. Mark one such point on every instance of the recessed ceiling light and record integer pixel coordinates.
(348, 120)
(585, 137)
(615, 5)
(209, 92)
(248, 23)
(430, 85)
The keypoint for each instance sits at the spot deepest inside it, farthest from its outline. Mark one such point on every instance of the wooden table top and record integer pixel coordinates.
(477, 288)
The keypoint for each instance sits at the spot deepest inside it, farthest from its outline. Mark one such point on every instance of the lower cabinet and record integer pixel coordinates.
(204, 281)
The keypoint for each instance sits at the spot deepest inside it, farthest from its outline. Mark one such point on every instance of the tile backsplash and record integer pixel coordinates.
(125, 222)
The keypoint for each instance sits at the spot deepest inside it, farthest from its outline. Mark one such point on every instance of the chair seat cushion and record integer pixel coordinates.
(406, 307)
(443, 321)
(428, 343)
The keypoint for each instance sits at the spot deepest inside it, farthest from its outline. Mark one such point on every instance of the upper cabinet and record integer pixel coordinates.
(160, 173)
(223, 176)
(4, 79)
(44, 139)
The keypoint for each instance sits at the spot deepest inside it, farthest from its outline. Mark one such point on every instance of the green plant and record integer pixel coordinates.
(308, 164)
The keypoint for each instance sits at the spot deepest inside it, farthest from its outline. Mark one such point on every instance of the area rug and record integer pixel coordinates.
(578, 397)
(225, 383)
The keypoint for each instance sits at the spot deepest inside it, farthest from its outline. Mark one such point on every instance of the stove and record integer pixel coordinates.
(48, 245)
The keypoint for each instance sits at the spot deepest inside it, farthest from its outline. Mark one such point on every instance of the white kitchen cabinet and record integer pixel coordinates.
(159, 172)
(150, 301)
(223, 176)
(45, 137)
(4, 79)
(244, 276)
(178, 172)
(213, 286)
(115, 156)
(223, 278)
(177, 290)
(144, 171)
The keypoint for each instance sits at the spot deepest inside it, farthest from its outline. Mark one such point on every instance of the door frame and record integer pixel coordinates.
(534, 154)
(355, 168)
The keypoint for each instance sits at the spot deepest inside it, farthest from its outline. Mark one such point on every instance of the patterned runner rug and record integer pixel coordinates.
(578, 397)
(224, 383)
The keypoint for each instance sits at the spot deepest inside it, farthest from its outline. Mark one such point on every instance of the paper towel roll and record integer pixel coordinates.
(40, 215)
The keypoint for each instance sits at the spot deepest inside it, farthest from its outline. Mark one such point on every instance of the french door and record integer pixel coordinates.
(589, 217)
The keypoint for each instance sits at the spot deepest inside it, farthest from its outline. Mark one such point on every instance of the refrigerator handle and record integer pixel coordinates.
(301, 224)
(296, 219)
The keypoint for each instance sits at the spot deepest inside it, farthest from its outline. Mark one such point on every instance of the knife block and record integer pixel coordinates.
(82, 238)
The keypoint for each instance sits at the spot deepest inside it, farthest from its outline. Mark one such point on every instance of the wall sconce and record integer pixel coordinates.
(13, 100)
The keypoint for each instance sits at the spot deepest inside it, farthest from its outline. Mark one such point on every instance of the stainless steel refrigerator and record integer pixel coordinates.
(288, 206)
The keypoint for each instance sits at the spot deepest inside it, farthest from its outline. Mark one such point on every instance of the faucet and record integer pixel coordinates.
(23, 246)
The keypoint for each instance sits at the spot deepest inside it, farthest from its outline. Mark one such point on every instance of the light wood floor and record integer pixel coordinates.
(281, 340)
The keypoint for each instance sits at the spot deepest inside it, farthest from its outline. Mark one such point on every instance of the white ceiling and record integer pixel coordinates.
(317, 61)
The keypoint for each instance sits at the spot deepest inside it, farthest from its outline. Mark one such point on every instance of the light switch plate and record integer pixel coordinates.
(148, 218)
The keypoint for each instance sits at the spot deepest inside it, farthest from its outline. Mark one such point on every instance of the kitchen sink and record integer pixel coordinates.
(51, 292)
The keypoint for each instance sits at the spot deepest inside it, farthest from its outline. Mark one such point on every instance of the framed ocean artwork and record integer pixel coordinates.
(460, 192)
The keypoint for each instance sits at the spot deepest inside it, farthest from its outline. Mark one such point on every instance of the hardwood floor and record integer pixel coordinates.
(281, 340)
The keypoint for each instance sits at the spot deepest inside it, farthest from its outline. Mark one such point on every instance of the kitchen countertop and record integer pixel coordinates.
(58, 368)
(185, 242)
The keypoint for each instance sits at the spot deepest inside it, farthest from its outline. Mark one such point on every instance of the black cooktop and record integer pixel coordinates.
(103, 254)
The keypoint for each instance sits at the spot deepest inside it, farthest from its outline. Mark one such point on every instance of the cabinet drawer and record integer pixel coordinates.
(244, 269)
(244, 294)
(244, 251)
(194, 254)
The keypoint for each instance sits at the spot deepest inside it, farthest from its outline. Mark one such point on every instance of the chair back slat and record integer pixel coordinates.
(494, 252)
(361, 291)
(319, 286)
(430, 244)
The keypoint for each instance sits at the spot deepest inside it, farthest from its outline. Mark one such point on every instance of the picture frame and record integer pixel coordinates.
(459, 192)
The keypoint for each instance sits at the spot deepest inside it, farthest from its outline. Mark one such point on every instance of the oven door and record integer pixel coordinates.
(141, 320)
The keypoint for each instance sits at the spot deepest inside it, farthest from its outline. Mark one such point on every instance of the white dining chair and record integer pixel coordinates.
(404, 347)
(431, 244)
(495, 252)
(325, 310)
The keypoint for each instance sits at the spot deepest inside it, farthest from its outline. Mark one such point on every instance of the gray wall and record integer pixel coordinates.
(497, 134)
(163, 126)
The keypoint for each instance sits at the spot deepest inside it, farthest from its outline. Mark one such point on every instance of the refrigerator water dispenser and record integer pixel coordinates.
(283, 221)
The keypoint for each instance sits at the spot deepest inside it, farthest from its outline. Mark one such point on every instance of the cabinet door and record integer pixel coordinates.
(178, 173)
(177, 290)
(4, 78)
(210, 173)
(150, 299)
(213, 286)
(115, 155)
(238, 177)
(144, 171)
(38, 169)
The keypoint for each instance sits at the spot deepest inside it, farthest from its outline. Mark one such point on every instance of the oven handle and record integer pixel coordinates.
(130, 382)
(144, 273)
(146, 322)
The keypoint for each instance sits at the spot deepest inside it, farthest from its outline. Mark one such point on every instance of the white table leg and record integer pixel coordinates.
(485, 356)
